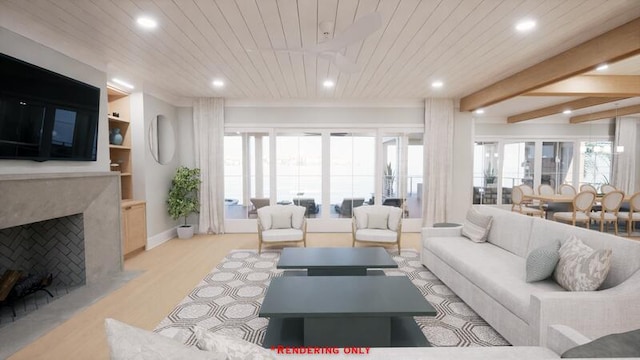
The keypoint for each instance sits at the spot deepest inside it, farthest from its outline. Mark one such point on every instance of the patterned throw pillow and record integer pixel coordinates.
(476, 226)
(581, 268)
(280, 220)
(234, 348)
(127, 342)
(542, 261)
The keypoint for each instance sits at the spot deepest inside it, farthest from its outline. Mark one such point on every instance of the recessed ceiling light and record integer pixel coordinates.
(146, 22)
(123, 83)
(602, 67)
(328, 84)
(525, 25)
(567, 112)
(437, 84)
(479, 111)
(218, 83)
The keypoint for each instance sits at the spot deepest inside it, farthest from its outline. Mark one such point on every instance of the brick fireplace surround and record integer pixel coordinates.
(32, 198)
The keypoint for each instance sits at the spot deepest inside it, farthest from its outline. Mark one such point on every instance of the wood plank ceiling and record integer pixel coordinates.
(466, 44)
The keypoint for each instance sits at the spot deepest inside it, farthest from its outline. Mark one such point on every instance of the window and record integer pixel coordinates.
(246, 172)
(233, 176)
(414, 183)
(299, 170)
(485, 170)
(595, 164)
(557, 164)
(352, 172)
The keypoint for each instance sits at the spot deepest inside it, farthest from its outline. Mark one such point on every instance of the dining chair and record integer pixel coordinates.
(607, 188)
(582, 203)
(609, 213)
(528, 190)
(633, 214)
(588, 187)
(517, 204)
(567, 189)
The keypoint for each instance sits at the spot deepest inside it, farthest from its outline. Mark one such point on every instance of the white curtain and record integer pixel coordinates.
(624, 163)
(208, 127)
(438, 169)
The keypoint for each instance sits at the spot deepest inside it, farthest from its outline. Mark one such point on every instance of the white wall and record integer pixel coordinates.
(157, 177)
(186, 147)
(547, 130)
(309, 116)
(27, 50)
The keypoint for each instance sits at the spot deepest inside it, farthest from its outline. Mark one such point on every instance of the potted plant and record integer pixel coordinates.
(183, 198)
(490, 175)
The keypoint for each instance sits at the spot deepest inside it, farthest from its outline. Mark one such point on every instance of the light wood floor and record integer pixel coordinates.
(170, 271)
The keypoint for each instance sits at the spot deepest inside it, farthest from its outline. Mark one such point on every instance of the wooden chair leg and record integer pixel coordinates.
(629, 226)
(601, 225)
(259, 246)
(615, 227)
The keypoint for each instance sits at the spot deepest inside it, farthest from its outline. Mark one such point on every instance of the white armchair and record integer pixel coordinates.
(279, 224)
(377, 224)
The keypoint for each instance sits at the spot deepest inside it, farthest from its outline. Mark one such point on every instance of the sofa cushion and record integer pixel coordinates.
(496, 271)
(361, 214)
(503, 230)
(581, 268)
(296, 213)
(281, 220)
(275, 235)
(130, 343)
(625, 252)
(542, 261)
(234, 348)
(377, 221)
(624, 345)
(376, 235)
(476, 226)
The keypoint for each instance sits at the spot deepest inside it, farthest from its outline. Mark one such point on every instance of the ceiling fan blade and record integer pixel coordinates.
(345, 65)
(359, 30)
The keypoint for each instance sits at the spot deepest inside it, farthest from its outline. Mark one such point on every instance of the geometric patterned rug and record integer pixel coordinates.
(228, 300)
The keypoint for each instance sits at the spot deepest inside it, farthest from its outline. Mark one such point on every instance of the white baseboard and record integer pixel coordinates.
(161, 238)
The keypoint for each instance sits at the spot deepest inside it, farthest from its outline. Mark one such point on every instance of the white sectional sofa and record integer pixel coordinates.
(490, 277)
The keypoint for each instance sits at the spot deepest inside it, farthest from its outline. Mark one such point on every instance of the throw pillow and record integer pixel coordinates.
(377, 221)
(624, 345)
(476, 226)
(234, 348)
(130, 343)
(580, 267)
(542, 261)
(281, 220)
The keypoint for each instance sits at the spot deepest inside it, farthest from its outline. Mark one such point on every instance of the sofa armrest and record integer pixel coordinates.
(561, 338)
(428, 232)
(593, 313)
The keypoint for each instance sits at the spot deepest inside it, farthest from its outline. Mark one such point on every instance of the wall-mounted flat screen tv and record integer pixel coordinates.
(44, 115)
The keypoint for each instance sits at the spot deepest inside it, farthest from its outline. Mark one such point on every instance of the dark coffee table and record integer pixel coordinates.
(336, 261)
(341, 311)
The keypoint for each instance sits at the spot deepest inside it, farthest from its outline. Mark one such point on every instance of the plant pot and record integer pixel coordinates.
(185, 231)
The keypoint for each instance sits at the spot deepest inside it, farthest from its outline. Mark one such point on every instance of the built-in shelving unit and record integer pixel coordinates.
(120, 155)
(133, 220)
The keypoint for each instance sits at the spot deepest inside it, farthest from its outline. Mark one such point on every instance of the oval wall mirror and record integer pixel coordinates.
(162, 140)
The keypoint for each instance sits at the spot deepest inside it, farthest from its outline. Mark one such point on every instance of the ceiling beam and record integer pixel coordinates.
(634, 109)
(617, 44)
(593, 85)
(556, 109)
